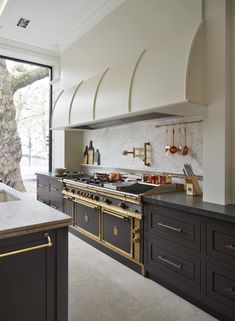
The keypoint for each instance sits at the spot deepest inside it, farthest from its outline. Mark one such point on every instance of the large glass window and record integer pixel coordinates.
(24, 120)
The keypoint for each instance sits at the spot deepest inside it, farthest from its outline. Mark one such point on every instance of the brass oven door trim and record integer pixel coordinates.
(85, 232)
(80, 229)
(95, 206)
(66, 199)
(111, 246)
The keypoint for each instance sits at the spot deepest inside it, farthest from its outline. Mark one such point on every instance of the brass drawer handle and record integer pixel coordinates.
(230, 246)
(176, 229)
(178, 266)
(117, 215)
(230, 290)
(55, 189)
(48, 244)
(41, 185)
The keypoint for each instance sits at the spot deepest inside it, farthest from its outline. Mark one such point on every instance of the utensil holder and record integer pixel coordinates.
(192, 186)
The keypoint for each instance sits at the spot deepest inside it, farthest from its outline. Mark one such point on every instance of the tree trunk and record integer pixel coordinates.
(10, 144)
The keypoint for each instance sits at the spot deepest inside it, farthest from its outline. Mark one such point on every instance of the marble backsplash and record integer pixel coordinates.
(112, 141)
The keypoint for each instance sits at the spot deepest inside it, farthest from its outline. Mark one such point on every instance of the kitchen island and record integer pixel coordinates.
(33, 259)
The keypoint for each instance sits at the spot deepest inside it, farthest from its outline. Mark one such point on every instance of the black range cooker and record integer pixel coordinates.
(110, 213)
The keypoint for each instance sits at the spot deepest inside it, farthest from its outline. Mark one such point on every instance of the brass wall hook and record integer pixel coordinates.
(145, 154)
(126, 152)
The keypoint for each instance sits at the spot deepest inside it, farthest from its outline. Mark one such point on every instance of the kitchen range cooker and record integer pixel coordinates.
(111, 213)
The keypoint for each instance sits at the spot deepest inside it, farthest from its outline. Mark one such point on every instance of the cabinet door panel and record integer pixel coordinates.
(221, 242)
(88, 218)
(27, 280)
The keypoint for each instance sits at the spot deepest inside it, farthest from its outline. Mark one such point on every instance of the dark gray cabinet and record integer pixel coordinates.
(34, 283)
(49, 191)
(193, 256)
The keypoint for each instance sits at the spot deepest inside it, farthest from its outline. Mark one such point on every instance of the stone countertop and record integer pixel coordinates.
(193, 204)
(27, 215)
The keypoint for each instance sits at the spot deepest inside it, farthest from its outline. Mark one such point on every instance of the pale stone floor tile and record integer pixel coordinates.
(102, 289)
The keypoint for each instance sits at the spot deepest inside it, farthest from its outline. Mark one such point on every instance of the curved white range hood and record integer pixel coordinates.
(159, 82)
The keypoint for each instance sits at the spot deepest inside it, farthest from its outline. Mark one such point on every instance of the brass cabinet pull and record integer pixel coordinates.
(230, 290)
(48, 244)
(177, 229)
(178, 266)
(41, 185)
(230, 246)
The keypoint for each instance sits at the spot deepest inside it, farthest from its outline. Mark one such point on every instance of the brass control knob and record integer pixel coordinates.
(123, 205)
(96, 197)
(107, 201)
(72, 191)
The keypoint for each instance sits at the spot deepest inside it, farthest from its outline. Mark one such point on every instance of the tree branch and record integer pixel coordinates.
(27, 78)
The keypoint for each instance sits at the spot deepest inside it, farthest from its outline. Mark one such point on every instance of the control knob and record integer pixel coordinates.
(107, 201)
(96, 197)
(123, 205)
(72, 191)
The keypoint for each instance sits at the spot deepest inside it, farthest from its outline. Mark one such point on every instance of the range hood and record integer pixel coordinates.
(160, 82)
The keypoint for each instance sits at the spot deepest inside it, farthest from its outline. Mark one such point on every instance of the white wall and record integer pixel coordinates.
(112, 141)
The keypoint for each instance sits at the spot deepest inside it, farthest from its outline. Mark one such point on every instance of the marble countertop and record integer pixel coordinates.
(27, 215)
(193, 204)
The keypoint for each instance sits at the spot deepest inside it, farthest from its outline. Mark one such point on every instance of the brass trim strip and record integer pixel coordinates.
(78, 201)
(96, 92)
(49, 244)
(132, 79)
(117, 249)
(176, 124)
(81, 230)
(115, 214)
(71, 103)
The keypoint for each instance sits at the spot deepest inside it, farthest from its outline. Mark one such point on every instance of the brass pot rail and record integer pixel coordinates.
(49, 244)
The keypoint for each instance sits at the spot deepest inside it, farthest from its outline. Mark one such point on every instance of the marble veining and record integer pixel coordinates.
(112, 141)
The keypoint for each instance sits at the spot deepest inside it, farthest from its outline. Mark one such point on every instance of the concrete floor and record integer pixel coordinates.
(101, 289)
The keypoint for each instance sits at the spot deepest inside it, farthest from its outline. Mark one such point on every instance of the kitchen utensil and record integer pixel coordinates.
(167, 146)
(173, 148)
(185, 149)
(179, 148)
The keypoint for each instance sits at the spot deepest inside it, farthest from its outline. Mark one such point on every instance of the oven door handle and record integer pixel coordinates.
(117, 215)
(87, 204)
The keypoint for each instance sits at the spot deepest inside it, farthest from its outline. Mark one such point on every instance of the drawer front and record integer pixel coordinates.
(221, 286)
(42, 185)
(163, 256)
(174, 225)
(88, 218)
(57, 205)
(117, 231)
(68, 206)
(221, 241)
(55, 188)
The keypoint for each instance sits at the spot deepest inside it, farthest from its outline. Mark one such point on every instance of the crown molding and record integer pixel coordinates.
(88, 23)
(16, 47)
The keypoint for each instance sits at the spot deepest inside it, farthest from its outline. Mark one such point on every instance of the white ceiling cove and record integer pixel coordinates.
(54, 24)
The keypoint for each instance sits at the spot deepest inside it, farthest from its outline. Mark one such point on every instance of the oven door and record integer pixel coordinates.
(87, 218)
(117, 232)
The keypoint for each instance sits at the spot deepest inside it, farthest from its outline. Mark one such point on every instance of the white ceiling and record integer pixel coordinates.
(54, 24)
